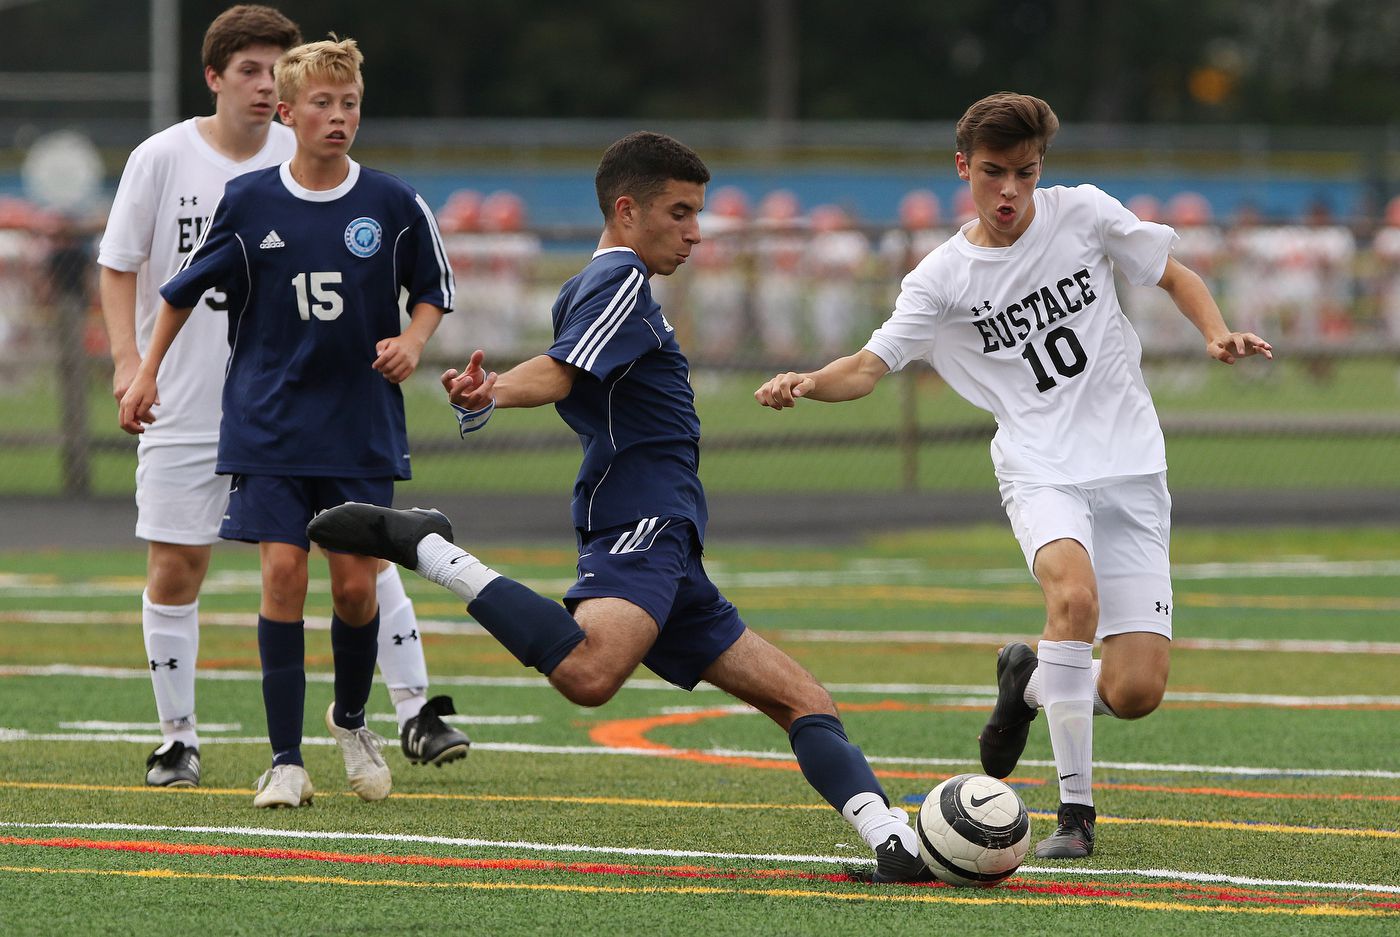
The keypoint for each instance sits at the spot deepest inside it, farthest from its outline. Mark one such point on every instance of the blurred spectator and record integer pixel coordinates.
(1386, 248)
(833, 263)
(1151, 311)
(18, 259)
(964, 209)
(718, 301)
(920, 231)
(460, 221)
(492, 257)
(1200, 245)
(1249, 293)
(778, 245)
(510, 254)
(1312, 276)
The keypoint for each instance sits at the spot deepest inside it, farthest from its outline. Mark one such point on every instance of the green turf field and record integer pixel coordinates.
(1263, 798)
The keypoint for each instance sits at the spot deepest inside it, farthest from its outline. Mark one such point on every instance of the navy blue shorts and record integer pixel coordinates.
(655, 564)
(277, 508)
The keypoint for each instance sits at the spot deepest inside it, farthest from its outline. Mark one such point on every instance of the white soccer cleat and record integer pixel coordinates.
(284, 786)
(364, 766)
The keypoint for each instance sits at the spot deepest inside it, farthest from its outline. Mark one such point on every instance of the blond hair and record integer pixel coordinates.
(334, 60)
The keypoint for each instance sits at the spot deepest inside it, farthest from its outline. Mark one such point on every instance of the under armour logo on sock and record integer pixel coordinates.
(411, 636)
(1164, 608)
(171, 664)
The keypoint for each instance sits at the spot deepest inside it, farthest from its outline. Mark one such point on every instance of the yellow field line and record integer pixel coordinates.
(1320, 910)
(1231, 825)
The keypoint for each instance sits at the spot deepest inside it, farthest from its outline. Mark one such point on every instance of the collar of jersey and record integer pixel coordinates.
(321, 195)
(608, 250)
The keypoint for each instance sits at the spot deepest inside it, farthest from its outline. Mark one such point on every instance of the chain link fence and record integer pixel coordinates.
(760, 296)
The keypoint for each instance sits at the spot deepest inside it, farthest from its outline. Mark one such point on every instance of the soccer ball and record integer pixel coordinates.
(973, 830)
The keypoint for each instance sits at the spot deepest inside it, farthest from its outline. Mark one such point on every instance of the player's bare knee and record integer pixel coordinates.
(1071, 612)
(174, 574)
(354, 600)
(584, 688)
(1133, 701)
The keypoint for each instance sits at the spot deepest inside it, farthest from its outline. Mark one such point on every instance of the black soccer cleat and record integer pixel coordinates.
(893, 864)
(427, 740)
(370, 530)
(173, 764)
(1073, 838)
(1003, 738)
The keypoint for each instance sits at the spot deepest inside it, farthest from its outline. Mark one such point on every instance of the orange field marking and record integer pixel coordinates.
(632, 733)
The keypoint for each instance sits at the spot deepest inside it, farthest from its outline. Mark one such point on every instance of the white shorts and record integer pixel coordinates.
(179, 499)
(1124, 524)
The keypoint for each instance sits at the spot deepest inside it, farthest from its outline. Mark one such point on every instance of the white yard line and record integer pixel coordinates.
(153, 737)
(895, 571)
(471, 843)
(791, 636)
(963, 694)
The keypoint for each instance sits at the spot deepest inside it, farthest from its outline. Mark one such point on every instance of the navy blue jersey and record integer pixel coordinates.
(633, 410)
(313, 281)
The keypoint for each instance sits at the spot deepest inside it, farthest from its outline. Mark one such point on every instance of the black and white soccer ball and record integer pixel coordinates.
(973, 830)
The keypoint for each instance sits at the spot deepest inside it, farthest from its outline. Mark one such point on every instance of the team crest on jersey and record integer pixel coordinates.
(363, 236)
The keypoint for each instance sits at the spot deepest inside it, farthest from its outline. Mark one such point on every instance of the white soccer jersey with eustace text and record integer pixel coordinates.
(1034, 334)
(167, 194)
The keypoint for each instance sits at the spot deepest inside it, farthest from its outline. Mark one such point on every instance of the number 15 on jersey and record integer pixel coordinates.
(316, 295)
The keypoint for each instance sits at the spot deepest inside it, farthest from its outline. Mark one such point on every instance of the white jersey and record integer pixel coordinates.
(167, 194)
(1034, 334)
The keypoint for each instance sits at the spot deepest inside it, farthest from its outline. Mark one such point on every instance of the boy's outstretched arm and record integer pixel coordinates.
(847, 378)
(1193, 298)
(532, 383)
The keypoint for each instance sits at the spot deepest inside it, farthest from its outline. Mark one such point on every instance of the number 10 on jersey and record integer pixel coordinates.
(316, 295)
(1065, 353)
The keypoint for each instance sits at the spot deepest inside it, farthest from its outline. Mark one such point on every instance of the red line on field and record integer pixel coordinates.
(447, 862)
(1185, 891)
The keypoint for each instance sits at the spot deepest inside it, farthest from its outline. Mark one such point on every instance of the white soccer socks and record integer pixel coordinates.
(1067, 694)
(172, 648)
(1032, 694)
(401, 660)
(453, 568)
(875, 822)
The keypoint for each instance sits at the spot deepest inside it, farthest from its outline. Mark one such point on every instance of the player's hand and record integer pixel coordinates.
(135, 407)
(398, 357)
(473, 387)
(123, 370)
(782, 391)
(1239, 345)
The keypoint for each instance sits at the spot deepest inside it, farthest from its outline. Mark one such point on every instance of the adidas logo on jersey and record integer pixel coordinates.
(272, 240)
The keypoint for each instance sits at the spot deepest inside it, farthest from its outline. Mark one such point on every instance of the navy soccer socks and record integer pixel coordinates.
(282, 649)
(538, 631)
(354, 651)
